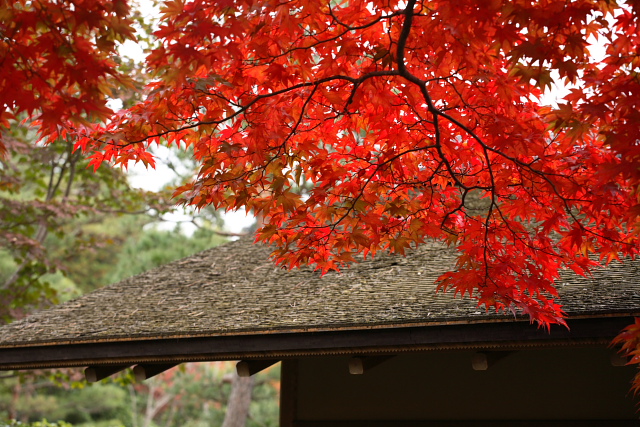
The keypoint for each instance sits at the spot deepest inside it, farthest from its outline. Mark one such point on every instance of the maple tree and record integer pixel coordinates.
(57, 60)
(399, 116)
(399, 113)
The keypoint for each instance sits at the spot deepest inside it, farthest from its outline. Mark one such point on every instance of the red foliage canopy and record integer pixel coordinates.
(397, 117)
(56, 59)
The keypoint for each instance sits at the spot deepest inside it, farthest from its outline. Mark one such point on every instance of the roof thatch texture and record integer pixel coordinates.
(236, 289)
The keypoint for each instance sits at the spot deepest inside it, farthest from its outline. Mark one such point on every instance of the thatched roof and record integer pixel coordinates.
(235, 289)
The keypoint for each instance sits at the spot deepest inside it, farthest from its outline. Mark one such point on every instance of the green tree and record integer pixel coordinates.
(43, 423)
(50, 204)
(40, 399)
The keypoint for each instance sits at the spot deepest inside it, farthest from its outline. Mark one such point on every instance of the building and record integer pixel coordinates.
(373, 345)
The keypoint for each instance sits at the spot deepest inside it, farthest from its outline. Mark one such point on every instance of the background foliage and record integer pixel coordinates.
(191, 395)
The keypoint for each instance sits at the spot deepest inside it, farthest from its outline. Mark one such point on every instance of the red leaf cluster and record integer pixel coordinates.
(56, 60)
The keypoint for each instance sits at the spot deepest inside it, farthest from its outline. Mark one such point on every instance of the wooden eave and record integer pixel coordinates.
(478, 336)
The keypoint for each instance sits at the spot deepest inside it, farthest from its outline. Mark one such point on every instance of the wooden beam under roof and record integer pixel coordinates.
(96, 373)
(483, 360)
(145, 371)
(247, 368)
(502, 335)
(358, 365)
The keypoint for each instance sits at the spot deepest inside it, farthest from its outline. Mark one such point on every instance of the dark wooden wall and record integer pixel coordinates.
(538, 386)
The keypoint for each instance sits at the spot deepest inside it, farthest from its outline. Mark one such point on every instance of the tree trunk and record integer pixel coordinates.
(13, 409)
(238, 406)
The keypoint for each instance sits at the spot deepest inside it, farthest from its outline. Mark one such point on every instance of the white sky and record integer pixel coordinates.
(155, 179)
